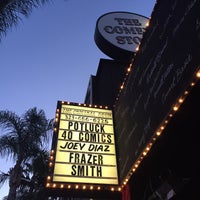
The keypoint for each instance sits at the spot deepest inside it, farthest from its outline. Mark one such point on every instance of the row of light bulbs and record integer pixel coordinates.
(159, 131)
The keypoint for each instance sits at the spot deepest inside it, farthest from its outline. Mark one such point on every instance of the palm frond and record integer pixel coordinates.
(11, 12)
(3, 178)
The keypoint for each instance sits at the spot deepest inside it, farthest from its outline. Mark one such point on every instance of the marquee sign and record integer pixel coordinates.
(84, 146)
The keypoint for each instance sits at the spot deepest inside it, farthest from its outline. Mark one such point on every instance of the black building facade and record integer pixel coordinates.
(156, 105)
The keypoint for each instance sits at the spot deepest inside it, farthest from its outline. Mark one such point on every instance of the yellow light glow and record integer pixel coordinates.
(148, 148)
(192, 84)
(181, 100)
(175, 108)
(144, 153)
(162, 127)
(158, 133)
(91, 187)
(84, 187)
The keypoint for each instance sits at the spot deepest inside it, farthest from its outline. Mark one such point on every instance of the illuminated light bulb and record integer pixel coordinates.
(98, 188)
(119, 189)
(175, 108)
(137, 48)
(54, 185)
(55, 129)
(52, 151)
(198, 74)
(147, 24)
(61, 186)
(180, 100)
(162, 127)
(57, 110)
(100, 106)
(56, 119)
(170, 115)
(79, 104)
(91, 187)
(76, 186)
(129, 69)
(158, 133)
(48, 184)
(95, 106)
(192, 84)
(51, 157)
(84, 187)
(50, 164)
(48, 177)
(138, 162)
(186, 92)
(112, 189)
(90, 105)
(166, 121)
(144, 153)
(148, 148)
(69, 186)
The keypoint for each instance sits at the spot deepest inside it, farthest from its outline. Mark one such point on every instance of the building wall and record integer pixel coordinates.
(105, 85)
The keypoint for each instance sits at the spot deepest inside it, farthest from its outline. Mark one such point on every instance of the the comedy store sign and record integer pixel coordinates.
(85, 150)
(119, 33)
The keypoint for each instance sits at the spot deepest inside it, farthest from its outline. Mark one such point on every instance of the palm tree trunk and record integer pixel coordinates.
(14, 182)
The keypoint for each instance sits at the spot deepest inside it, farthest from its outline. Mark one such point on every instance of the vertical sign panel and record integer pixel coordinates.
(85, 150)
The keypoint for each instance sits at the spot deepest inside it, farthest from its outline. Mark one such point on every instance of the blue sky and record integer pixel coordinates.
(50, 55)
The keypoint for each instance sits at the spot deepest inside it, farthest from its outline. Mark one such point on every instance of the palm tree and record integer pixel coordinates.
(22, 140)
(33, 187)
(12, 10)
